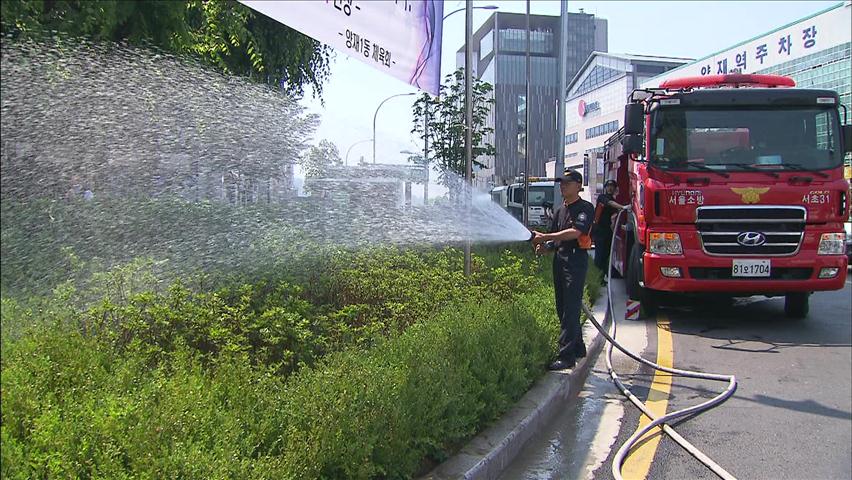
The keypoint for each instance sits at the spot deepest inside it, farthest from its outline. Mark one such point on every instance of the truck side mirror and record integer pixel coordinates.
(634, 116)
(631, 143)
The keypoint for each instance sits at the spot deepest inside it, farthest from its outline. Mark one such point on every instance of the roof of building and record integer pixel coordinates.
(633, 58)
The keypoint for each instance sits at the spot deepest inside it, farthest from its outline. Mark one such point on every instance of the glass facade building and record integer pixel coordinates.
(815, 51)
(830, 69)
(500, 58)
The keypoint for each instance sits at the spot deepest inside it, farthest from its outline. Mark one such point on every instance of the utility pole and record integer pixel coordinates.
(468, 134)
(560, 108)
(527, 103)
(426, 155)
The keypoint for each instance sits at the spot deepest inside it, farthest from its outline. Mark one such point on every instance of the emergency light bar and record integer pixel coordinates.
(731, 79)
(542, 179)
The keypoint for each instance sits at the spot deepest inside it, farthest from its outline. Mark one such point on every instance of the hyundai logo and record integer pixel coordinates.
(751, 239)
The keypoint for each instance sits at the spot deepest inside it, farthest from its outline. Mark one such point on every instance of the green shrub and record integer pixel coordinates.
(361, 367)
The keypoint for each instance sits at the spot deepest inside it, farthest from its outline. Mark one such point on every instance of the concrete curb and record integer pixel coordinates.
(489, 453)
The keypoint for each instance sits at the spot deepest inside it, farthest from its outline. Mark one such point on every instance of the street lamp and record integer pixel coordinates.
(468, 115)
(346, 161)
(377, 113)
(468, 53)
(486, 7)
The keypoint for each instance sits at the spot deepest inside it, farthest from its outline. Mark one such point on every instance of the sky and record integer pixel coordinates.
(690, 29)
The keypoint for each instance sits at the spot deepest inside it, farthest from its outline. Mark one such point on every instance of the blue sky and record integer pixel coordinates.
(670, 28)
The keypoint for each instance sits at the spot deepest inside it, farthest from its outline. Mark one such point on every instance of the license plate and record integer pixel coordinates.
(750, 268)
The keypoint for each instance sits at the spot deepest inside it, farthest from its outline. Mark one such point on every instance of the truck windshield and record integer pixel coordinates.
(742, 139)
(540, 195)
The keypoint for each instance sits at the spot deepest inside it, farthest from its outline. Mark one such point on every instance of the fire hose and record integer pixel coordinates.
(664, 420)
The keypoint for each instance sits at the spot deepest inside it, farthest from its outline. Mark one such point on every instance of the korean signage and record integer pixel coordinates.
(399, 37)
(808, 36)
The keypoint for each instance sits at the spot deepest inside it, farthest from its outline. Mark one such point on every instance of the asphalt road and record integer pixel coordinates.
(790, 418)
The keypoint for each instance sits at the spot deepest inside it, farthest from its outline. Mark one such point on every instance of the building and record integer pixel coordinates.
(594, 107)
(499, 58)
(814, 51)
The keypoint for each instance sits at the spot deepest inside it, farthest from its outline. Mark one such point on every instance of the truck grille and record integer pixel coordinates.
(722, 229)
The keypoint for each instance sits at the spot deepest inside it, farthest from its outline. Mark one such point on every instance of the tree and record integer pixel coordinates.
(223, 33)
(444, 117)
(319, 157)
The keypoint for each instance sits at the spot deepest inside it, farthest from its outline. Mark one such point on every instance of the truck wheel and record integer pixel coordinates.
(796, 305)
(634, 290)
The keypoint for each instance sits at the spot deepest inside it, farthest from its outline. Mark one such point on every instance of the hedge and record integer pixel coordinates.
(370, 364)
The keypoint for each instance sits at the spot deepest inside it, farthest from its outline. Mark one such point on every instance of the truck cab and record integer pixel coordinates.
(737, 189)
(540, 198)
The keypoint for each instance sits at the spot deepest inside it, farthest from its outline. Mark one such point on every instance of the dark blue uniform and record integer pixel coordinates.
(570, 263)
(603, 230)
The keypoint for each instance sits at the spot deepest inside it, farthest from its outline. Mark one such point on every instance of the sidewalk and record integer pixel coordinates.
(487, 455)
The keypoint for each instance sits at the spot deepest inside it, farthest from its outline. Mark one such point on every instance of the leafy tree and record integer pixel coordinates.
(223, 33)
(444, 117)
(319, 157)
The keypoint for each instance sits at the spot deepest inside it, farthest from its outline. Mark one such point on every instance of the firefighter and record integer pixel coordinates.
(605, 208)
(569, 240)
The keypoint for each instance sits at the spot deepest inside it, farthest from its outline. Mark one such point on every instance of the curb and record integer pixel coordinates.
(489, 453)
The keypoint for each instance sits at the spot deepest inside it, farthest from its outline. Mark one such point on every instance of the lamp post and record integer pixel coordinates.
(527, 107)
(468, 38)
(346, 160)
(468, 114)
(377, 113)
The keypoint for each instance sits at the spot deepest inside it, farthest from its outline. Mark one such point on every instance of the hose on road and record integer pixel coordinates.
(662, 421)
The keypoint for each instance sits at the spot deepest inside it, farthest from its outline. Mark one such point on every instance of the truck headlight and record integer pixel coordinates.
(832, 244)
(665, 244)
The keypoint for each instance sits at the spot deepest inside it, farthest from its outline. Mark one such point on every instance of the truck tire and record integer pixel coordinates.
(797, 305)
(635, 291)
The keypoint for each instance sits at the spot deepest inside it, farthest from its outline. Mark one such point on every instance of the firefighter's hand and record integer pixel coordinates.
(539, 249)
(537, 238)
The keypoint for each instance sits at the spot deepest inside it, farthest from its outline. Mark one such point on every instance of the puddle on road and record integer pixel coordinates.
(578, 441)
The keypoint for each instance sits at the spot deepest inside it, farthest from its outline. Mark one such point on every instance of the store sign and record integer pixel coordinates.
(401, 38)
(814, 34)
(584, 108)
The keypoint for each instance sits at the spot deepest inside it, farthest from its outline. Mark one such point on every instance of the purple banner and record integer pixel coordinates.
(401, 37)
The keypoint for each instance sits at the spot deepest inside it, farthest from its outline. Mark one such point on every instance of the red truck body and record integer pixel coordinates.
(736, 187)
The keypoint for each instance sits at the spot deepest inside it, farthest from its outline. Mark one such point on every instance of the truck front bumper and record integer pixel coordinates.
(703, 273)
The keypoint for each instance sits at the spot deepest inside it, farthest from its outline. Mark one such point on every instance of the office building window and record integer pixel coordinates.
(486, 45)
(597, 77)
(515, 40)
(571, 138)
(602, 129)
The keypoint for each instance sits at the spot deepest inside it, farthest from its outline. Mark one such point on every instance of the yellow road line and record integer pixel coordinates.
(638, 462)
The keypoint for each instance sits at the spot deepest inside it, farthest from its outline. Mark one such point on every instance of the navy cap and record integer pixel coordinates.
(571, 176)
(610, 182)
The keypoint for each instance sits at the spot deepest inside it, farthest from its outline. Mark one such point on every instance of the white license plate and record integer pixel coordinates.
(750, 268)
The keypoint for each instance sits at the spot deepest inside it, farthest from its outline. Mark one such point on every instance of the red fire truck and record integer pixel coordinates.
(737, 189)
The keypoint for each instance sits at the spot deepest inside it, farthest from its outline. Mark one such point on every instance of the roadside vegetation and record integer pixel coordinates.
(313, 362)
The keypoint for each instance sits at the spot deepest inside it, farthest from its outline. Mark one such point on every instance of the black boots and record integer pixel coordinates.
(562, 364)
